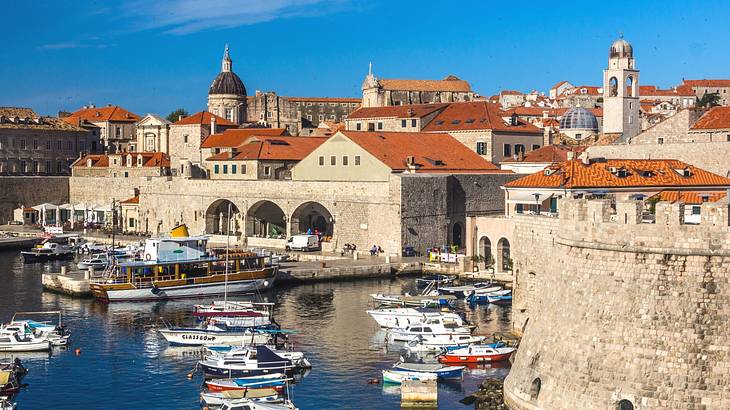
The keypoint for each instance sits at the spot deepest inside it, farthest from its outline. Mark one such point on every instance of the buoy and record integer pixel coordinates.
(190, 376)
(78, 351)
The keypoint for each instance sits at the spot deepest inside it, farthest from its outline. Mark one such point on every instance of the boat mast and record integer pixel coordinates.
(114, 223)
(228, 239)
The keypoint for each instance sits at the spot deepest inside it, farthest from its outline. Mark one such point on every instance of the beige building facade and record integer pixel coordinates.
(153, 134)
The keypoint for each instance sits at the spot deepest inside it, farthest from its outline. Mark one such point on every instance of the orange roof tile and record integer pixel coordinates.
(510, 92)
(639, 173)
(476, 115)
(706, 83)
(432, 152)
(691, 197)
(132, 200)
(99, 114)
(280, 148)
(652, 90)
(449, 84)
(235, 137)
(551, 112)
(203, 118)
(714, 119)
(548, 153)
(149, 159)
(397, 111)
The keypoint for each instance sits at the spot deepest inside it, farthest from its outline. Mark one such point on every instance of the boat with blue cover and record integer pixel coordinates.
(500, 300)
(478, 297)
(257, 361)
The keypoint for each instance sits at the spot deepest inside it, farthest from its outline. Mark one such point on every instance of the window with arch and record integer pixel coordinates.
(630, 86)
(625, 405)
(612, 87)
(535, 388)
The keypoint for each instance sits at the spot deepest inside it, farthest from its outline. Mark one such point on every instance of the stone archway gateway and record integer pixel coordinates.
(485, 250)
(503, 250)
(265, 219)
(312, 217)
(220, 218)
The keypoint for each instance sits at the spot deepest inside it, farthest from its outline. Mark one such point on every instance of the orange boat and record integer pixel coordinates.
(476, 354)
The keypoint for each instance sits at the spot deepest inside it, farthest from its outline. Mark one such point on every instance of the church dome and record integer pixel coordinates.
(621, 48)
(227, 82)
(579, 118)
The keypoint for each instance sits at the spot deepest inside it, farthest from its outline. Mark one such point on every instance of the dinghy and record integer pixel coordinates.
(461, 291)
(479, 297)
(276, 381)
(500, 300)
(398, 376)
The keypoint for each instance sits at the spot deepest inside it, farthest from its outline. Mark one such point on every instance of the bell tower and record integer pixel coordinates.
(621, 92)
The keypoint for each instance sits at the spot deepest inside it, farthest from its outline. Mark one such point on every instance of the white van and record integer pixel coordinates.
(303, 243)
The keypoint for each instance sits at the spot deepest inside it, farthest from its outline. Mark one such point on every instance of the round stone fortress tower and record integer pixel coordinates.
(622, 314)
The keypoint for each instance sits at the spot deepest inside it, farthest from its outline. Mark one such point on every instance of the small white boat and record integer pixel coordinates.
(421, 301)
(398, 376)
(97, 261)
(241, 353)
(16, 343)
(48, 251)
(6, 404)
(264, 403)
(436, 343)
(402, 317)
(464, 290)
(55, 332)
(213, 334)
(431, 328)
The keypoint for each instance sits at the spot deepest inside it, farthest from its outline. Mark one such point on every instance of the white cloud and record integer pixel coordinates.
(189, 16)
(71, 45)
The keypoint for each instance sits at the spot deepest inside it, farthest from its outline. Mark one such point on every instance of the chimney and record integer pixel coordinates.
(571, 155)
(585, 158)
(179, 117)
(411, 165)
(212, 124)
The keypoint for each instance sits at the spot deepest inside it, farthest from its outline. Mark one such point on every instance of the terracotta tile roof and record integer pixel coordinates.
(448, 84)
(652, 90)
(203, 118)
(691, 197)
(552, 112)
(327, 128)
(29, 119)
(396, 111)
(639, 173)
(476, 115)
(20, 112)
(100, 114)
(706, 83)
(714, 119)
(432, 152)
(235, 137)
(510, 92)
(548, 153)
(132, 200)
(281, 148)
(325, 99)
(590, 90)
(149, 159)
(556, 86)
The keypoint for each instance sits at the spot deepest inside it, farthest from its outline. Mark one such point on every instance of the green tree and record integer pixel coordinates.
(175, 115)
(709, 100)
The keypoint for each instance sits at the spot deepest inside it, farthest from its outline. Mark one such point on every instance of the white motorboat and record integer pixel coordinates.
(98, 261)
(398, 376)
(258, 361)
(402, 317)
(6, 404)
(213, 334)
(14, 342)
(437, 343)
(236, 314)
(55, 332)
(241, 353)
(464, 290)
(432, 327)
(244, 403)
(48, 251)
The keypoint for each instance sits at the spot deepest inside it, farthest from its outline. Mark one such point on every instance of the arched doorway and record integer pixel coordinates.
(625, 405)
(456, 235)
(485, 251)
(505, 262)
(220, 218)
(312, 217)
(265, 219)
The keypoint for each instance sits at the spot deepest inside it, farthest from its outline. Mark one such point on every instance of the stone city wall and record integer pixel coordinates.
(30, 191)
(710, 156)
(622, 311)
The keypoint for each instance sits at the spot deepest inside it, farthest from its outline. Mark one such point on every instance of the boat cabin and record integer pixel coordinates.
(175, 249)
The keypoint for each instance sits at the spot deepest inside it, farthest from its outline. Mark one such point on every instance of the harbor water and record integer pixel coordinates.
(125, 364)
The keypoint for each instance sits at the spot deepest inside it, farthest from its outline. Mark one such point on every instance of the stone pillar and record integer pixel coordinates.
(629, 212)
(599, 210)
(220, 223)
(671, 214)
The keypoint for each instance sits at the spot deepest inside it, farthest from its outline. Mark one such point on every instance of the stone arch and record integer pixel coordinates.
(613, 87)
(312, 217)
(625, 405)
(220, 211)
(485, 250)
(457, 234)
(503, 255)
(631, 86)
(535, 388)
(265, 219)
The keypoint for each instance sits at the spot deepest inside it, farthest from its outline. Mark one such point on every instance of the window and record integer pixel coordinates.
(185, 138)
(117, 132)
(48, 167)
(267, 171)
(23, 167)
(69, 146)
(131, 222)
(371, 126)
(413, 123)
(357, 160)
(321, 161)
(481, 148)
(36, 167)
(535, 388)
(380, 125)
(243, 168)
(60, 167)
(696, 210)
(535, 146)
(728, 137)
(403, 123)
(215, 169)
(578, 136)
(126, 174)
(519, 149)
(344, 160)
(309, 117)
(58, 145)
(82, 145)
(321, 117)
(507, 151)
(333, 160)
(229, 114)
(22, 144)
(660, 140)
(358, 126)
(625, 405)
(631, 119)
(332, 117)
(225, 168)
(233, 169)
(35, 144)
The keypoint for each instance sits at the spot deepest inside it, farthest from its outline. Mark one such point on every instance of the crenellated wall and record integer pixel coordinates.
(614, 309)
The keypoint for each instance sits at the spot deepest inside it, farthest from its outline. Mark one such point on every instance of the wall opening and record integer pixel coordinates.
(456, 235)
(625, 405)
(220, 218)
(613, 87)
(503, 250)
(313, 217)
(535, 388)
(485, 251)
(265, 219)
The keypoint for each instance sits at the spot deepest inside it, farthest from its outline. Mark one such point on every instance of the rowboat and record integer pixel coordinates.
(402, 317)
(428, 280)
(276, 381)
(398, 376)
(477, 354)
(480, 297)
(461, 291)
(237, 400)
(442, 372)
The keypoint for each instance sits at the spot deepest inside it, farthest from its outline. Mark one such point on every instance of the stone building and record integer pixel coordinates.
(115, 124)
(261, 157)
(316, 110)
(267, 109)
(187, 134)
(122, 165)
(621, 92)
(386, 92)
(153, 134)
(702, 87)
(584, 96)
(227, 94)
(34, 145)
(511, 98)
(648, 302)
(479, 125)
(232, 138)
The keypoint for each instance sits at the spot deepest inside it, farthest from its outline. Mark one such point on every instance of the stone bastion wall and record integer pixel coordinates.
(616, 311)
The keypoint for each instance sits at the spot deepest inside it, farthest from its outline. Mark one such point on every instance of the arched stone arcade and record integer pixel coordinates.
(504, 258)
(222, 218)
(265, 219)
(485, 251)
(312, 217)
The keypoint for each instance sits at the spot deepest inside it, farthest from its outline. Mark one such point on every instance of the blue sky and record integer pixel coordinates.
(154, 56)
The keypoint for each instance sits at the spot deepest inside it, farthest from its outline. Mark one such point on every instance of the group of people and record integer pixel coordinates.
(376, 250)
(348, 249)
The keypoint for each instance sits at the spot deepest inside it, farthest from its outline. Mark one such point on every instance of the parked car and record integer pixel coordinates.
(303, 243)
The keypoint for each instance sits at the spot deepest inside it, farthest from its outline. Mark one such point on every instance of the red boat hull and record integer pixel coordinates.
(449, 359)
(217, 388)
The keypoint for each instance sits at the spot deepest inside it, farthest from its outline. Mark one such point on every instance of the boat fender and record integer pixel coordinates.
(373, 381)
(78, 351)
(147, 257)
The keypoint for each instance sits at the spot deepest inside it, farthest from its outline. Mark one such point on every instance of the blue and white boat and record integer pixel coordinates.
(464, 290)
(257, 361)
(442, 372)
(500, 300)
(480, 297)
(398, 376)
